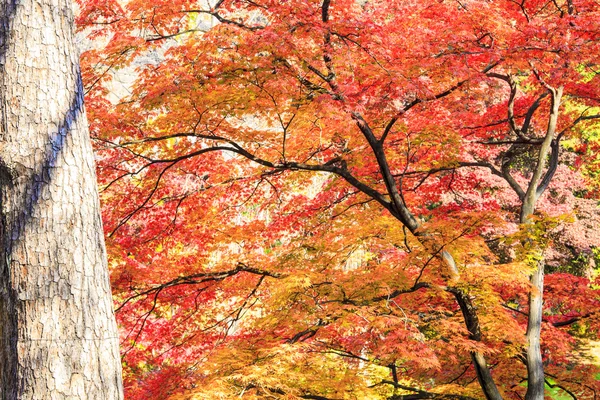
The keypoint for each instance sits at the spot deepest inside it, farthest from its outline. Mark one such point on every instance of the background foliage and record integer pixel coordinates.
(285, 181)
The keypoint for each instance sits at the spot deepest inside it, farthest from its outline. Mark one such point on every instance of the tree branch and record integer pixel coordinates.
(531, 195)
(199, 278)
(551, 385)
(531, 111)
(401, 211)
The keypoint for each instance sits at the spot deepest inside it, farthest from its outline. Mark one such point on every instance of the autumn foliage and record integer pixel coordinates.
(328, 199)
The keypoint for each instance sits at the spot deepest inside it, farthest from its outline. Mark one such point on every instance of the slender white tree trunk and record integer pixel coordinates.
(58, 336)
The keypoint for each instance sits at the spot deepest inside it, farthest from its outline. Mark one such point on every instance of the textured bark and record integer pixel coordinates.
(58, 336)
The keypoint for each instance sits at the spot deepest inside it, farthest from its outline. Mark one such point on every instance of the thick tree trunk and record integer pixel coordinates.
(58, 337)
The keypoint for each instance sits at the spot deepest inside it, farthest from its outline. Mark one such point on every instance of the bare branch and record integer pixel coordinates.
(325, 10)
(400, 210)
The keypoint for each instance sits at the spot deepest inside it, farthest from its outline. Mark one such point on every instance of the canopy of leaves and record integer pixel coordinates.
(282, 179)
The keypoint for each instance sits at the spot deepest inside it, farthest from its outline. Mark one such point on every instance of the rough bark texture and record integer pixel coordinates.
(58, 336)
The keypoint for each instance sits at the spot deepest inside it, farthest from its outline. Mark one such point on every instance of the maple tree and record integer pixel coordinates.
(347, 199)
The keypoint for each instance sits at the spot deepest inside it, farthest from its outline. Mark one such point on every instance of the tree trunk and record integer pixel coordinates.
(535, 366)
(58, 336)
